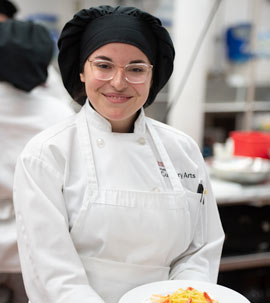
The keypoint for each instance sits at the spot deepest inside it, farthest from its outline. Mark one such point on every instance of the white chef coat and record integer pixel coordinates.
(79, 190)
(22, 115)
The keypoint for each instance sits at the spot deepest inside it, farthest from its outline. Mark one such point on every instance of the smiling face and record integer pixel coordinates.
(117, 100)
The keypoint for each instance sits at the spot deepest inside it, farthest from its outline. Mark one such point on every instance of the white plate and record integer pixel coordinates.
(220, 293)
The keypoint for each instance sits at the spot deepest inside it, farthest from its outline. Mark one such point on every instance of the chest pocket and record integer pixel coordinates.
(196, 206)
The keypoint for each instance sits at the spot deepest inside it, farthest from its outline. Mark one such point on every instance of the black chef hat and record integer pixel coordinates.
(94, 27)
(26, 50)
(7, 8)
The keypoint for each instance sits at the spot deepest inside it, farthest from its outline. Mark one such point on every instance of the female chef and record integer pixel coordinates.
(110, 199)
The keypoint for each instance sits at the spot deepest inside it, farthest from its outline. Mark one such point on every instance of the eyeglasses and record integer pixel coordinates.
(135, 73)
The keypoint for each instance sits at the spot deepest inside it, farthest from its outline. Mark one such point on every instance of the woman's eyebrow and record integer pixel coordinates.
(137, 61)
(103, 58)
(109, 59)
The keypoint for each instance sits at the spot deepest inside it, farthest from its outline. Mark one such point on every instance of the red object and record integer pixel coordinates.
(209, 300)
(251, 144)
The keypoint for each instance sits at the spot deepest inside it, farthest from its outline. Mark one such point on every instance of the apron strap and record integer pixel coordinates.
(172, 174)
(85, 143)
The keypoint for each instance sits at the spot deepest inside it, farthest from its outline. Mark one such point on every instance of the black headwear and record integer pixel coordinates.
(7, 8)
(94, 27)
(26, 50)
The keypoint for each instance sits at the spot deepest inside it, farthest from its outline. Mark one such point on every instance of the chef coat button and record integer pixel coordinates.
(141, 140)
(100, 143)
(156, 188)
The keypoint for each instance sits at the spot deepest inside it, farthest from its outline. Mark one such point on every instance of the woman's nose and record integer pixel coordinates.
(119, 81)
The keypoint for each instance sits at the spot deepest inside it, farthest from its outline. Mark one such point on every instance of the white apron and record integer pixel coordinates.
(129, 238)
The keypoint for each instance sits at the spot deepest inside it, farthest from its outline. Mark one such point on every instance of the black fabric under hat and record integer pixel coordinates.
(7, 8)
(26, 50)
(94, 27)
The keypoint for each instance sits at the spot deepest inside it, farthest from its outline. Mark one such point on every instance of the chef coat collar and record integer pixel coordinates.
(99, 122)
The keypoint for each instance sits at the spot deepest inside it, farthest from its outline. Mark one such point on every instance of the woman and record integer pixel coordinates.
(108, 200)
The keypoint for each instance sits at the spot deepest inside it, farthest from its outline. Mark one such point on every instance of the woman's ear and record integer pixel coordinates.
(82, 77)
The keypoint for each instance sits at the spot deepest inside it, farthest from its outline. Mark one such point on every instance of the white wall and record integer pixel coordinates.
(63, 9)
(189, 18)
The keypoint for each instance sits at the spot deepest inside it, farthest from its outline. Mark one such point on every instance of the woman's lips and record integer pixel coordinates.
(117, 98)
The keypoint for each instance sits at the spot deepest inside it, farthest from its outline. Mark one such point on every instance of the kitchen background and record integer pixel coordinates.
(220, 95)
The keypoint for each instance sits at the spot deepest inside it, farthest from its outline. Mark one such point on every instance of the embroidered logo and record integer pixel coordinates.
(184, 175)
(162, 169)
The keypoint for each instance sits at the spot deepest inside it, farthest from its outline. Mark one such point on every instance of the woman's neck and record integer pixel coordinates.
(124, 126)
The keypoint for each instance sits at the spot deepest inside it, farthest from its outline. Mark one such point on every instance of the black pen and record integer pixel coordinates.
(200, 190)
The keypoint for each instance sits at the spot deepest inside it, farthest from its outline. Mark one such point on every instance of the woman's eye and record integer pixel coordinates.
(136, 69)
(104, 65)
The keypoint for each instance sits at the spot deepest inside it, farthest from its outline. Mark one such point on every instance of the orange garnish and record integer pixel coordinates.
(209, 300)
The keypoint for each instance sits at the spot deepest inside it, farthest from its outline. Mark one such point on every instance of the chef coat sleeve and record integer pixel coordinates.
(51, 267)
(202, 258)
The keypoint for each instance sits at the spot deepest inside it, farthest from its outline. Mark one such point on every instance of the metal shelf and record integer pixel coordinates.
(245, 261)
(230, 193)
(235, 106)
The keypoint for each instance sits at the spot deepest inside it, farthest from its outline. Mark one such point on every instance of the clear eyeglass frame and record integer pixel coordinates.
(135, 73)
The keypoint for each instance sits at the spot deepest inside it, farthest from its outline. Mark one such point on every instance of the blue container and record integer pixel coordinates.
(238, 43)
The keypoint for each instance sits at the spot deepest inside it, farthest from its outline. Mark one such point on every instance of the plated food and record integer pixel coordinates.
(169, 291)
(188, 295)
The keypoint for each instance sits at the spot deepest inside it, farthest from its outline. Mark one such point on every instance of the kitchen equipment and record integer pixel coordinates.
(251, 143)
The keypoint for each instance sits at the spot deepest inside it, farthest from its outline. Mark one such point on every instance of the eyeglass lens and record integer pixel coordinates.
(134, 73)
